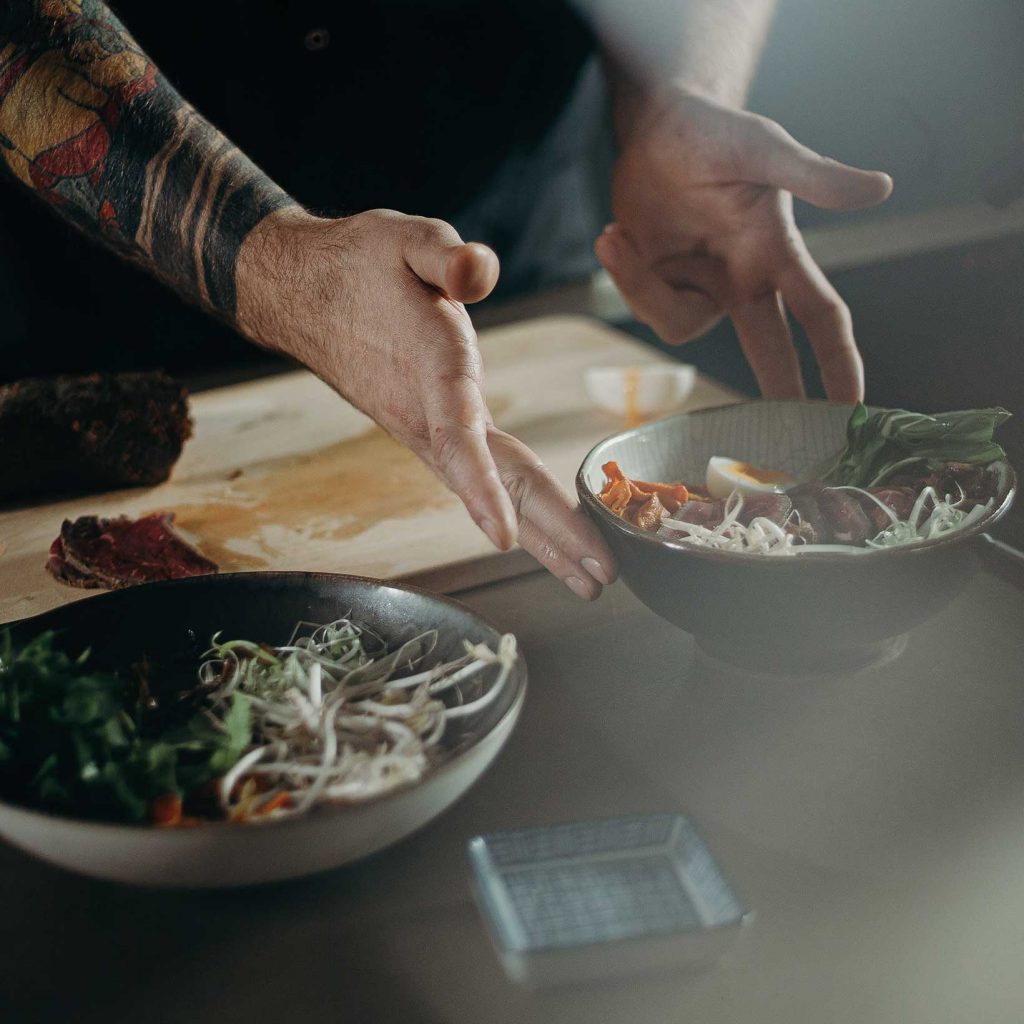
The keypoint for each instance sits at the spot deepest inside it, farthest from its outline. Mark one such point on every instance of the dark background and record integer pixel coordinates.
(930, 90)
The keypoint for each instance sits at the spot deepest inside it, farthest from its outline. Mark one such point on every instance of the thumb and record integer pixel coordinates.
(776, 158)
(465, 271)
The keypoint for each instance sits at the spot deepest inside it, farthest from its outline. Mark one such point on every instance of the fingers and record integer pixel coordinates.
(774, 157)
(458, 450)
(464, 271)
(552, 526)
(775, 263)
(452, 400)
(580, 582)
(827, 322)
(768, 345)
(457, 420)
(677, 314)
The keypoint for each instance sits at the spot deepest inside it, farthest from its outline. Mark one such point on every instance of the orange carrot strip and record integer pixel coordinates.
(677, 492)
(617, 496)
(278, 800)
(165, 809)
(612, 472)
(670, 495)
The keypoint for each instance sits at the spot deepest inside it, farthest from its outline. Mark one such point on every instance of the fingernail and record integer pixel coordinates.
(597, 570)
(488, 526)
(578, 587)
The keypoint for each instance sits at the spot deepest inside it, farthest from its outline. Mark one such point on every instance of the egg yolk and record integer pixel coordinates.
(760, 476)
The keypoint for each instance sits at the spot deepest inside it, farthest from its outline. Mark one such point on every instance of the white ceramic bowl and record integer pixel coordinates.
(174, 620)
(656, 389)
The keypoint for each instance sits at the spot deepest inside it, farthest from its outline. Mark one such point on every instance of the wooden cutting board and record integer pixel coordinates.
(282, 474)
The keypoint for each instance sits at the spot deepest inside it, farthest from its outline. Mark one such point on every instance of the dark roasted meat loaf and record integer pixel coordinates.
(81, 434)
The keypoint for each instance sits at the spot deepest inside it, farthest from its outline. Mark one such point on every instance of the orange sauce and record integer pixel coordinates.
(630, 383)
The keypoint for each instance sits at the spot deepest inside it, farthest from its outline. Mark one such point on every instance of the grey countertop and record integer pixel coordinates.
(871, 821)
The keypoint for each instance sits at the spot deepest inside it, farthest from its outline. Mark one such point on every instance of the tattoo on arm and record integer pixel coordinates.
(89, 124)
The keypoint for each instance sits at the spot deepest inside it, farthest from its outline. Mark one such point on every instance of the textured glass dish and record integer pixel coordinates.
(593, 899)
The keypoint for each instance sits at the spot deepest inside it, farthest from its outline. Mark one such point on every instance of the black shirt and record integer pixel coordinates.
(418, 105)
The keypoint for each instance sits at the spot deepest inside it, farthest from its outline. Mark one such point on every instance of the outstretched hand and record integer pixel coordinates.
(374, 305)
(703, 201)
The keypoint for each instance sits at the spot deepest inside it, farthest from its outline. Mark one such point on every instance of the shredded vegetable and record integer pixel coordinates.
(762, 536)
(945, 516)
(338, 717)
(932, 516)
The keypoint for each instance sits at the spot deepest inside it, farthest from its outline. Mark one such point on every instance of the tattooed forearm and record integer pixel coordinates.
(92, 127)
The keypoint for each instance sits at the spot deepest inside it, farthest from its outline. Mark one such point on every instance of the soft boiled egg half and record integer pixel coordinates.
(726, 475)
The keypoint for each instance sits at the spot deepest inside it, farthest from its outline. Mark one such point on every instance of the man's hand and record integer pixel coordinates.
(702, 196)
(373, 304)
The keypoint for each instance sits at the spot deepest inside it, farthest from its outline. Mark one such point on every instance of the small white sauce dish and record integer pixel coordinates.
(640, 392)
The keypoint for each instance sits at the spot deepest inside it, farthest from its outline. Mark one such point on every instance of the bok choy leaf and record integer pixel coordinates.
(889, 441)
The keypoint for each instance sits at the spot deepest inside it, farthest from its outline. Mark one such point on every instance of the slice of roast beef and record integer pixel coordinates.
(776, 507)
(94, 552)
(58, 567)
(845, 517)
(899, 499)
(650, 514)
(811, 523)
(975, 483)
(708, 514)
(702, 513)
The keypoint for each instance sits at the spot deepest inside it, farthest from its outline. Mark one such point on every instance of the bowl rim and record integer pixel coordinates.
(519, 679)
(674, 369)
(597, 509)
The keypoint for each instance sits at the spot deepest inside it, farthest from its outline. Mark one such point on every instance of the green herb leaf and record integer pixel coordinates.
(880, 444)
(69, 741)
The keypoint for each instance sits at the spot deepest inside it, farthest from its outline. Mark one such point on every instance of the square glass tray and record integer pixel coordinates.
(594, 899)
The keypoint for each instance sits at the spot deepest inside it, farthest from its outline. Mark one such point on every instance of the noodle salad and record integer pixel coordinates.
(902, 478)
(339, 715)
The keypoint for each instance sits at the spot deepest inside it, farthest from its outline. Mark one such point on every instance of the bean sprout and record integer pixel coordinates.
(946, 515)
(334, 718)
(764, 536)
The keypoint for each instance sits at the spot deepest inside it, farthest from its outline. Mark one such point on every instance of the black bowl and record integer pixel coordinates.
(171, 624)
(806, 612)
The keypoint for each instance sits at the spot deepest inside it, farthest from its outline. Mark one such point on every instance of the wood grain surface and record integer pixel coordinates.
(282, 474)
